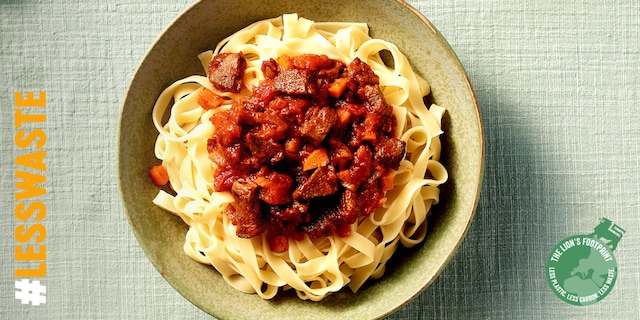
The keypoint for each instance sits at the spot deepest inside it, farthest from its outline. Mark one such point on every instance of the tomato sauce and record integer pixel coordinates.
(308, 152)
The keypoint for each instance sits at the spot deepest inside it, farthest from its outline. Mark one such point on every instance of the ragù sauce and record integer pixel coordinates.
(308, 152)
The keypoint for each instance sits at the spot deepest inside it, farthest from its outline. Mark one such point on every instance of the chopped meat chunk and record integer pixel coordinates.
(375, 102)
(271, 126)
(340, 153)
(247, 209)
(322, 182)
(390, 152)
(317, 124)
(296, 212)
(295, 81)
(335, 215)
(269, 68)
(264, 150)
(323, 225)
(361, 167)
(350, 207)
(360, 73)
(226, 71)
(380, 113)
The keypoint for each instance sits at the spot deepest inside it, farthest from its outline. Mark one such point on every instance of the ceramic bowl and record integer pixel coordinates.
(161, 235)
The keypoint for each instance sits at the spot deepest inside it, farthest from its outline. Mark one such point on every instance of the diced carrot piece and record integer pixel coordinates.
(344, 176)
(317, 158)
(261, 181)
(337, 87)
(292, 145)
(285, 61)
(278, 244)
(208, 100)
(344, 116)
(386, 181)
(158, 175)
(369, 135)
(311, 61)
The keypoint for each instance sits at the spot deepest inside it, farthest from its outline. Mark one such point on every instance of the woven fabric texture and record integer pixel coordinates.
(558, 88)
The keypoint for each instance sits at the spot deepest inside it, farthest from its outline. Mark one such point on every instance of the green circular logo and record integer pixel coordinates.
(581, 270)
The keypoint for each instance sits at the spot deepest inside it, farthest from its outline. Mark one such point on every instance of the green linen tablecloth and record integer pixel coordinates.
(558, 87)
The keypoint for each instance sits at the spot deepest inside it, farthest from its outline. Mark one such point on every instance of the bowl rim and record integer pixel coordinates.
(481, 155)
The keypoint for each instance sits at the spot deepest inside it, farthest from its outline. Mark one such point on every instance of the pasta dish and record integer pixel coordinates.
(301, 159)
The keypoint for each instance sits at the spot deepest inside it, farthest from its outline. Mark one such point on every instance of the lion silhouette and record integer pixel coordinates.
(609, 232)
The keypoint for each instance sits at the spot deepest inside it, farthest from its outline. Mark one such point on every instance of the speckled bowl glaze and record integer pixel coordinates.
(161, 235)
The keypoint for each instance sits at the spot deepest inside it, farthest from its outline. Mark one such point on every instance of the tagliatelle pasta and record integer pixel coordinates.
(314, 268)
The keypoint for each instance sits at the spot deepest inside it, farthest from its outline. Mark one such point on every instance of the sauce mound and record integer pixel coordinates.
(308, 152)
